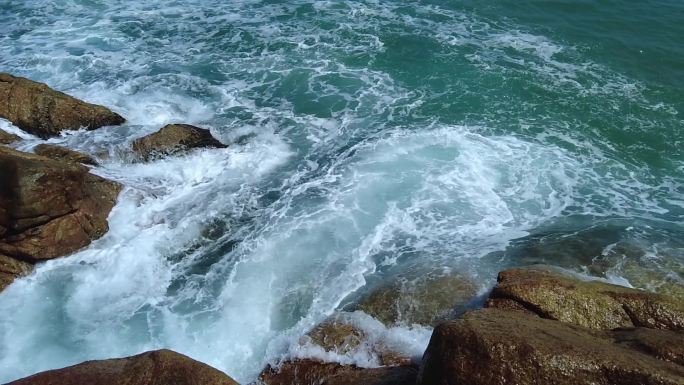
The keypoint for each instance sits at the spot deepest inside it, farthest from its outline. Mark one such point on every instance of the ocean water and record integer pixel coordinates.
(367, 139)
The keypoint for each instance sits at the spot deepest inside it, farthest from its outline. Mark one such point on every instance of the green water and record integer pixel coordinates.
(368, 139)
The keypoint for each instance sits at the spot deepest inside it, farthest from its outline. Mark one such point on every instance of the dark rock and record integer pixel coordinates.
(65, 154)
(310, 372)
(7, 138)
(597, 305)
(662, 344)
(50, 208)
(493, 346)
(174, 138)
(424, 300)
(160, 367)
(39, 110)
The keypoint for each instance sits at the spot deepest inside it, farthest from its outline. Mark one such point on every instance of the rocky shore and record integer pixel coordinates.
(538, 325)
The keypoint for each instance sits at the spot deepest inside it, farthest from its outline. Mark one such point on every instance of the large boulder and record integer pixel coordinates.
(424, 300)
(174, 138)
(593, 304)
(160, 367)
(61, 153)
(39, 110)
(7, 138)
(50, 208)
(310, 372)
(493, 346)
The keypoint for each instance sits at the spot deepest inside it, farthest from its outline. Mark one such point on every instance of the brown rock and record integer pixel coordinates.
(10, 269)
(50, 208)
(492, 346)
(7, 138)
(662, 344)
(337, 334)
(160, 367)
(39, 110)
(61, 153)
(597, 305)
(310, 372)
(174, 138)
(424, 300)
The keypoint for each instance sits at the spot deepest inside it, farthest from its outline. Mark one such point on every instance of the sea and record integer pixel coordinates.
(368, 140)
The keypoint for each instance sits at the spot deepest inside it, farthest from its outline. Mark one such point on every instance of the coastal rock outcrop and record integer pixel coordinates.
(7, 138)
(160, 367)
(310, 372)
(61, 153)
(50, 208)
(424, 300)
(592, 304)
(174, 138)
(39, 110)
(494, 346)
(10, 269)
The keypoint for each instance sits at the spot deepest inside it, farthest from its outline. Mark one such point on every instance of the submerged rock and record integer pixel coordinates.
(39, 110)
(591, 304)
(7, 138)
(61, 153)
(310, 372)
(174, 138)
(160, 367)
(50, 208)
(425, 300)
(493, 346)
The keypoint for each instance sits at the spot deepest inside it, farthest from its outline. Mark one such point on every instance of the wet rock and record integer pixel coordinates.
(61, 153)
(662, 344)
(338, 334)
(10, 269)
(160, 367)
(597, 305)
(174, 138)
(493, 346)
(7, 138)
(310, 372)
(50, 208)
(424, 300)
(39, 110)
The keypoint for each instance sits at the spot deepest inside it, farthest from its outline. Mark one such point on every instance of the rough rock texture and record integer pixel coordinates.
(50, 208)
(7, 138)
(424, 300)
(492, 346)
(160, 367)
(10, 269)
(662, 344)
(309, 372)
(591, 304)
(60, 153)
(338, 334)
(39, 110)
(174, 138)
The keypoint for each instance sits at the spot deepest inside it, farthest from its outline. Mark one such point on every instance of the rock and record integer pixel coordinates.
(174, 138)
(493, 346)
(7, 138)
(65, 154)
(160, 367)
(597, 305)
(310, 372)
(425, 300)
(662, 344)
(50, 208)
(39, 110)
(338, 334)
(10, 269)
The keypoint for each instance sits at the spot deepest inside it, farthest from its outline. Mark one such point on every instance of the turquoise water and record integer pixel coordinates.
(368, 139)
